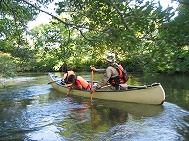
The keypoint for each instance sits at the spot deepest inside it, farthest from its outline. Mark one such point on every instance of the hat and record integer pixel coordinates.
(110, 57)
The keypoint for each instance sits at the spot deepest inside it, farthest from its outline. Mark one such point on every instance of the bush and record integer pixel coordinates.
(7, 66)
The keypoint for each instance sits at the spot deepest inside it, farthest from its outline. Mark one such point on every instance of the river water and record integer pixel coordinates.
(31, 110)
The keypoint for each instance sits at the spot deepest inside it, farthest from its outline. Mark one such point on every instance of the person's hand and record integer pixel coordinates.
(93, 90)
(80, 87)
(69, 91)
(93, 68)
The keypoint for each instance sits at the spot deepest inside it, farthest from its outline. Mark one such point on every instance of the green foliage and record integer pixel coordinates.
(129, 30)
(7, 66)
(177, 31)
(144, 36)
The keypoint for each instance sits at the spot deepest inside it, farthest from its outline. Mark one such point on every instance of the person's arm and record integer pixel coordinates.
(98, 70)
(69, 90)
(64, 77)
(105, 78)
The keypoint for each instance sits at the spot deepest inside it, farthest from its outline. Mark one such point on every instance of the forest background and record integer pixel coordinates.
(145, 36)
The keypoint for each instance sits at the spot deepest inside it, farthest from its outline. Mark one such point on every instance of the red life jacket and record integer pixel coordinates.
(83, 82)
(123, 77)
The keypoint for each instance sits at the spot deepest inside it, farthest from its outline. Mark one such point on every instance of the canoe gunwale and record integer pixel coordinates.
(130, 88)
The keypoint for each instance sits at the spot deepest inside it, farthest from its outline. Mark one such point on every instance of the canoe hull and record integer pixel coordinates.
(149, 95)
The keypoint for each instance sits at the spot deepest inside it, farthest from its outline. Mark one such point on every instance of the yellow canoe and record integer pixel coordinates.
(147, 94)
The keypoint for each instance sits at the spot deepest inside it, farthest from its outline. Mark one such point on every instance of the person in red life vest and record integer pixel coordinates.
(79, 82)
(113, 73)
(68, 72)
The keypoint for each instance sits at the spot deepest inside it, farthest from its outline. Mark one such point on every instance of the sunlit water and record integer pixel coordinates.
(31, 110)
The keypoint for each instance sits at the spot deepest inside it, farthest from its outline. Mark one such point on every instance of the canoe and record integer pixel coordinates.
(147, 94)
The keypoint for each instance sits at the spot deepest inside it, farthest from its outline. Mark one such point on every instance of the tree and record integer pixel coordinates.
(138, 31)
(177, 30)
(7, 65)
(120, 26)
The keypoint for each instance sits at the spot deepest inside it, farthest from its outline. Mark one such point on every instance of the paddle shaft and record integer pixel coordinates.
(92, 79)
(67, 85)
(105, 86)
(53, 81)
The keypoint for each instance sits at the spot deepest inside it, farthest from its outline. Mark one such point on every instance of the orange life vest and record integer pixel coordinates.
(83, 82)
(121, 78)
(120, 69)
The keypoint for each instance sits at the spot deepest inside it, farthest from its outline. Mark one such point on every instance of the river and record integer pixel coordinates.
(31, 110)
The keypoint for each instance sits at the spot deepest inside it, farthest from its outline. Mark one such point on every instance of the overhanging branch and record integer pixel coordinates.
(123, 20)
(55, 17)
(183, 2)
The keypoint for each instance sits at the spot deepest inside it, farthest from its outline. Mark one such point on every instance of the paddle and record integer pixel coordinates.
(92, 79)
(105, 86)
(53, 81)
(67, 85)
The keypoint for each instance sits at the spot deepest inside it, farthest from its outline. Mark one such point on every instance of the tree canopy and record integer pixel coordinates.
(144, 35)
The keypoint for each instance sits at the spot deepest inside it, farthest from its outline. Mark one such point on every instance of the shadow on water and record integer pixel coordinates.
(32, 110)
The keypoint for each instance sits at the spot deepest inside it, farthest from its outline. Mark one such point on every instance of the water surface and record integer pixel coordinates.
(31, 110)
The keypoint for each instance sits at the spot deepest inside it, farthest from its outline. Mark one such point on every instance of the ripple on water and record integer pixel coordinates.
(47, 133)
(164, 127)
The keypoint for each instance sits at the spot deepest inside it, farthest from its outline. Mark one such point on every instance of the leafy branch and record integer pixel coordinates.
(55, 17)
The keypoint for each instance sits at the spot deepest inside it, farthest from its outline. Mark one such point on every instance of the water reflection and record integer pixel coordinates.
(141, 110)
(86, 120)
